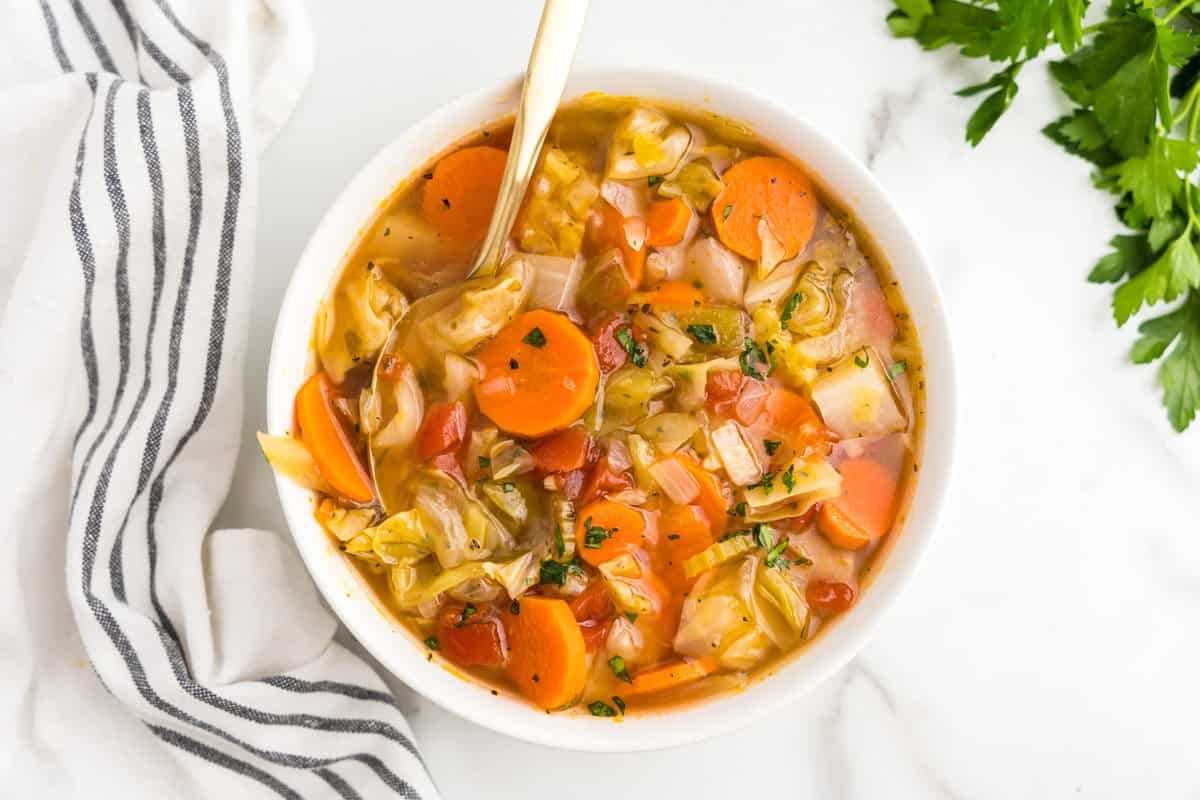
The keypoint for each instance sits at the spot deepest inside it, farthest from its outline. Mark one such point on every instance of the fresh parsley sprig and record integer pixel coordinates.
(1134, 78)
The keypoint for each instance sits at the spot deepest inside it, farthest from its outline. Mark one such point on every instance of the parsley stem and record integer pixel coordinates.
(1180, 7)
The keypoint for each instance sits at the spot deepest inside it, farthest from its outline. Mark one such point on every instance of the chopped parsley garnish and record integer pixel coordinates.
(515, 608)
(599, 708)
(737, 511)
(897, 369)
(620, 704)
(752, 358)
(509, 486)
(763, 536)
(617, 665)
(704, 334)
(560, 547)
(788, 309)
(467, 612)
(734, 535)
(535, 338)
(672, 536)
(485, 462)
(514, 364)
(771, 445)
(862, 360)
(553, 573)
(594, 535)
(789, 478)
(654, 180)
(766, 483)
(433, 644)
(775, 556)
(631, 616)
(637, 353)
(728, 210)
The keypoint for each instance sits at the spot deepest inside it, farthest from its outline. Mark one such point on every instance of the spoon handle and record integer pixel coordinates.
(549, 64)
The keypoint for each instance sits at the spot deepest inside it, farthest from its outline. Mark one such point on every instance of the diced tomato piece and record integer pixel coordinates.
(593, 610)
(828, 597)
(449, 464)
(563, 451)
(476, 640)
(572, 483)
(604, 480)
(444, 429)
(609, 351)
(721, 390)
(750, 402)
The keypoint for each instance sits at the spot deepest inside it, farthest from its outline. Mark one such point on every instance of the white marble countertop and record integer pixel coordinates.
(1048, 646)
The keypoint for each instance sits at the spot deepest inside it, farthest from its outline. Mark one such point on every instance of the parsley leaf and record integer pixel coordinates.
(1153, 179)
(1175, 271)
(789, 308)
(433, 644)
(771, 445)
(704, 334)
(594, 535)
(467, 612)
(560, 545)
(636, 353)
(775, 556)
(535, 338)
(789, 478)
(766, 483)
(617, 665)
(484, 462)
(620, 704)
(553, 573)
(1130, 255)
(897, 369)
(599, 708)
(752, 359)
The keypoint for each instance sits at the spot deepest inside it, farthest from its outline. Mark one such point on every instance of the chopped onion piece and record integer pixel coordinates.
(624, 198)
(461, 374)
(675, 480)
(772, 250)
(739, 460)
(720, 271)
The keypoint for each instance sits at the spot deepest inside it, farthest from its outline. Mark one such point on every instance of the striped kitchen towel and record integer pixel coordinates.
(140, 654)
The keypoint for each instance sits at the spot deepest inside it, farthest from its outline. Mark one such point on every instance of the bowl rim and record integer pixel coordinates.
(353, 603)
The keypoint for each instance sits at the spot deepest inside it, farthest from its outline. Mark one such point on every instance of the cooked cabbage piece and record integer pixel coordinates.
(478, 311)
(399, 539)
(290, 458)
(856, 398)
(458, 527)
(556, 208)
(697, 181)
(645, 144)
(719, 271)
(740, 614)
(354, 320)
(792, 491)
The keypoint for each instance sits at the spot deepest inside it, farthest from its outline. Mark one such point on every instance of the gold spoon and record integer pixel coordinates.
(545, 78)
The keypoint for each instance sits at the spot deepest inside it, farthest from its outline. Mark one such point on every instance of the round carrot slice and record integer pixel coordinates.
(868, 495)
(605, 529)
(547, 655)
(539, 374)
(667, 222)
(765, 188)
(461, 195)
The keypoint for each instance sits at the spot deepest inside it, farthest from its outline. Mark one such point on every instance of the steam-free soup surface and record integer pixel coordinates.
(653, 452)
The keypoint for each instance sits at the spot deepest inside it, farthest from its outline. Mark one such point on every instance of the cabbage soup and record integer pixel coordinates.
(655, 452)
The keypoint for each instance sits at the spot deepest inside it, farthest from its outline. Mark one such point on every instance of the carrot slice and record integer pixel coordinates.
(684, 532)
(839, 529)
(712, 498)
(322, 433)
(868, 495)
(547, 656)
(670, 675)
(674, 293)
(765, 188)
(786, 415)
(607, 228)
(534, 383)
(666, 222)
(461, 195)
(605, 529)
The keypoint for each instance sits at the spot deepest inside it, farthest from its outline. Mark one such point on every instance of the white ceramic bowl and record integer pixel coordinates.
(850, 185)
